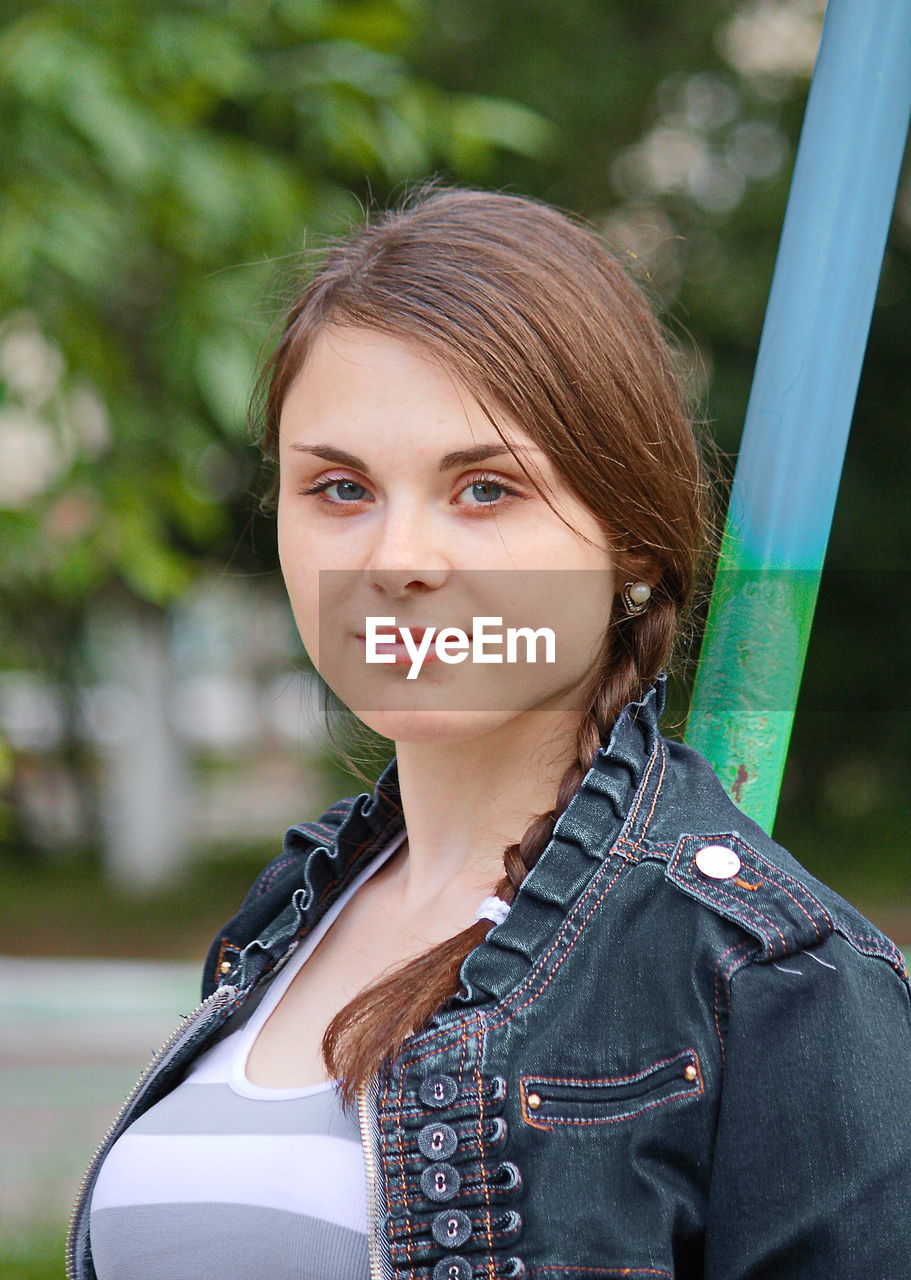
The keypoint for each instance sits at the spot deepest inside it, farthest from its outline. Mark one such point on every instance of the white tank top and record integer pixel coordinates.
(223, 1179)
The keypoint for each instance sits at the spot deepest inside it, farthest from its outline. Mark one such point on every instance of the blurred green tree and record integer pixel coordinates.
(157, 158)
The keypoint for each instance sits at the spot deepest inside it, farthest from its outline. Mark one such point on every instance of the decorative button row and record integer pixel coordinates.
(441, 1181)
(452, 1227)
(440, 1090)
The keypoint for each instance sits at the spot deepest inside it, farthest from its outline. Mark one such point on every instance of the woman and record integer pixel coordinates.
(546, 1003)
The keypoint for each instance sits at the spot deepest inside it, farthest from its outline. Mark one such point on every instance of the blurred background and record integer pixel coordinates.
(163, 165)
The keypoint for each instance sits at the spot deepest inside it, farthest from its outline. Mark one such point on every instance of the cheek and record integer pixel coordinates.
(301, 579)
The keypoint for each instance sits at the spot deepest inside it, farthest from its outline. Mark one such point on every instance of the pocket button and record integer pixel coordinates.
(717, 861)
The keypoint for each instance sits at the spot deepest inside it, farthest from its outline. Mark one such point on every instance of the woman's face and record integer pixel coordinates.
(390, 508)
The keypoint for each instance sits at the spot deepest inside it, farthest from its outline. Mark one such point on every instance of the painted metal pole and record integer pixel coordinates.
(802, 399)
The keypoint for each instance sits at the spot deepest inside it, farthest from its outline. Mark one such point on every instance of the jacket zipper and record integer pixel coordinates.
(191, 1021)
(366, 1101)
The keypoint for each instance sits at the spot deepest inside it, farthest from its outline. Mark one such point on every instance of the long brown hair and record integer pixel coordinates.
(532, 311)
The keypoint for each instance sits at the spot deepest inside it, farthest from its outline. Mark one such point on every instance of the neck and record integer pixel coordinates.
(464, 802)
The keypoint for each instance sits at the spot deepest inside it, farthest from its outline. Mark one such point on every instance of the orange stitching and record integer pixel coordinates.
(815, 901)
(799, 906)
(481, 1158)
(893, 958)
(492, 1026)
(631, 819)
(720, 889)
(536, 994)
(226, 944)
(602, 1274)
(400, 1127)
(715, 994)
(745, 885)
(738, 946)
(717, 888)
(645, 825)
(551, 1121)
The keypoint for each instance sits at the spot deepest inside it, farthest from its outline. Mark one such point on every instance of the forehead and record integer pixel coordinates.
(357, 378)
(347, 364)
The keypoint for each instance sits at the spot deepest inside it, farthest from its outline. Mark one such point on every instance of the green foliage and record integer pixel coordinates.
(157, 158)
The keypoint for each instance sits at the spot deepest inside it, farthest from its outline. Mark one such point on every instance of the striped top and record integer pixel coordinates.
(223, 1179)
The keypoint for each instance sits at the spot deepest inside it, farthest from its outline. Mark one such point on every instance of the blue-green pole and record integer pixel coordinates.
(802, 398)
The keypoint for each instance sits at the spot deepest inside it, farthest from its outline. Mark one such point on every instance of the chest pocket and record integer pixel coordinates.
(548, 1101)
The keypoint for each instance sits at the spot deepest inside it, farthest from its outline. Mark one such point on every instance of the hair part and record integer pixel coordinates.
(529, 308)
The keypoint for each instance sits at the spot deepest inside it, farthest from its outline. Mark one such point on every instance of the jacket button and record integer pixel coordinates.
(717, 861)
(438, 1090)
(496, 1131)
(507, 1176)
(496, 1089)
(451, 1228)
(440, 1181)
(437, 1141)
(454, 1268)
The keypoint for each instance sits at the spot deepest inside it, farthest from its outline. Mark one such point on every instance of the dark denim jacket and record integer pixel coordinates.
(653, 1068)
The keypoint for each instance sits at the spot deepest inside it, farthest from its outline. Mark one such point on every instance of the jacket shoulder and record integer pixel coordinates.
(718, 856)
(272, 888)
(300, 840)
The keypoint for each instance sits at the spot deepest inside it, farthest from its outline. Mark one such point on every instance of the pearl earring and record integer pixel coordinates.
(635, 597)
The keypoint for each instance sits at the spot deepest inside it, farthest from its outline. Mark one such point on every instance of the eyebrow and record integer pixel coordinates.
(458, 458)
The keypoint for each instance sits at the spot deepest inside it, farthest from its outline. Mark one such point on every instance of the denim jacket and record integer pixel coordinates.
(680, 1054)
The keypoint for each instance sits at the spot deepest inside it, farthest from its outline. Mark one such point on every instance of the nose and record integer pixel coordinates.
(405, 553)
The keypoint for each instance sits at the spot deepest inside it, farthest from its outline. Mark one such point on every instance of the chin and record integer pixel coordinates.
(432, 725)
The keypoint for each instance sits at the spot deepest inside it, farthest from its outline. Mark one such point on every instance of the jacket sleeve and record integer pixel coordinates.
(811, 1178)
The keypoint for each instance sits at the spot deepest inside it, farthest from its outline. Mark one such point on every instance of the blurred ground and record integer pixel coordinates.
(74, 1035)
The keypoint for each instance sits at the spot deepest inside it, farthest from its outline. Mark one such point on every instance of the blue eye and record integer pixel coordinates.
(486, 484)
(331, 482)
(487, 490)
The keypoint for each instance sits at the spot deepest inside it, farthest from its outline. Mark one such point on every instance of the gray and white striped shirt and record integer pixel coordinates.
(223, 1179)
